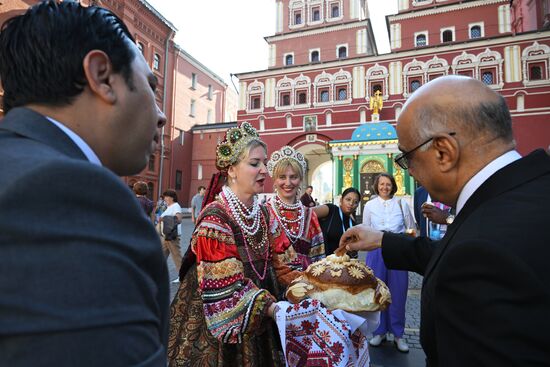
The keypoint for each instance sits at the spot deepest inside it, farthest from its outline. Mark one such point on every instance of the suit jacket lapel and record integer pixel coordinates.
(517, 173)
(26, 122)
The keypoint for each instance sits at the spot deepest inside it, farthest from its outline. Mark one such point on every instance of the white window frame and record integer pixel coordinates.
(194, 80)
(328, 5)
(284, 59)
(302, 84)
(293, 7)
(452, 29)
(192, 108)
(284, 85)
(426, 34)
(156, 62)
(210, 92)
(311, 50)
(342, 79)
(347, 50)
(536, 53)
(314, 4)
(322, 81)
(255, 89)
(480, 25)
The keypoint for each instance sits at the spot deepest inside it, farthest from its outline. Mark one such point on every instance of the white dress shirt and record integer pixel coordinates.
(85, 148)
(393, 215)
(479, 178)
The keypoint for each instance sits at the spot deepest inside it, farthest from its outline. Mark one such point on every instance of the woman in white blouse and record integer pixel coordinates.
(391, 214)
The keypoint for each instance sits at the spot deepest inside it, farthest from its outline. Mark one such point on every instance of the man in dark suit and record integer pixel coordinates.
(83, 281)
(486, 293)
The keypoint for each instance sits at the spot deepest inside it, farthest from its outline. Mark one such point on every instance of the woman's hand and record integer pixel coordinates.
(360, 238)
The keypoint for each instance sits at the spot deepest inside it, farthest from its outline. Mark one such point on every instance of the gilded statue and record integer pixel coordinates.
(376, 102)
(399, 181)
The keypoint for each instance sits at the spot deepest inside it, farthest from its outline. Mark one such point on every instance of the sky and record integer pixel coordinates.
(228, 36)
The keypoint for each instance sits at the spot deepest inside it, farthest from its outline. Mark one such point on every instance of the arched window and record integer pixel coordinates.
(448, 36)
(421, 40)
(315, 15)
(475, 32)
(315, 56)
(535, 73)
(415, 84)
(302, 98)
(342, 94)
(285, 99)
(323, 96)
(255, 102)
(298, 18)
(487, 77)
(342, 52)
(289, 60)
(335, 11)
(156, 62)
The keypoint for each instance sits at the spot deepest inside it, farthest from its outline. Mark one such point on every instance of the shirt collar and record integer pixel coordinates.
(479, 178)
(85, 148)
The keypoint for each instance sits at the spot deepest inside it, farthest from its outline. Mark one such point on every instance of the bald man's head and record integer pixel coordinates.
(462, 104)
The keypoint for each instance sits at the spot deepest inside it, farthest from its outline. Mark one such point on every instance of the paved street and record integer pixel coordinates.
(386, 355)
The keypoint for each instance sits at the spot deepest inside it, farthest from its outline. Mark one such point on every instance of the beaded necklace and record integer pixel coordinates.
(255, 234)
(278, 207)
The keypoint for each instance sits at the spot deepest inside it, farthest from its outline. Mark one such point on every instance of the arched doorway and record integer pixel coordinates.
(321, 180)
(368, 172)
(314, 149)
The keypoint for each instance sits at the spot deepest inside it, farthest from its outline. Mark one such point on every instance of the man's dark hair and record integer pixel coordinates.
(388, 176)
(200, 188)
(140, 188)
(309, 187)
(41, 51)
(171, 193)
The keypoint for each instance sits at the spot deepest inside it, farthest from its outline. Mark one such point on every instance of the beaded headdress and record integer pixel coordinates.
(236, 139)
(284, 154)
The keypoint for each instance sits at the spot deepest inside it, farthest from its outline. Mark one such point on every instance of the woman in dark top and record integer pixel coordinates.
(335, 219)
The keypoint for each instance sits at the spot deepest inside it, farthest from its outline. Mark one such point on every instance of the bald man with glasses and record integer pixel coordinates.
(486, 288)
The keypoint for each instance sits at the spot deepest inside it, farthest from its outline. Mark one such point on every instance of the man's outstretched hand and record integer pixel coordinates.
(360, 238)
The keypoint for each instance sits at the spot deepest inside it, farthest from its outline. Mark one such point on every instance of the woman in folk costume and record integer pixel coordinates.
(300, 224)
(222, 313)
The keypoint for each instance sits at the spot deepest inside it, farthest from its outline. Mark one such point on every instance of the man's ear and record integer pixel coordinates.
(447, 152)
(99, 72)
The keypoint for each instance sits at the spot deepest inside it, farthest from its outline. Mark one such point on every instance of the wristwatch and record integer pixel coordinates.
(450, 219)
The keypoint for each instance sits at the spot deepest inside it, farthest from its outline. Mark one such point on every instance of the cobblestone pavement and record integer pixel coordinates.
(384, 356)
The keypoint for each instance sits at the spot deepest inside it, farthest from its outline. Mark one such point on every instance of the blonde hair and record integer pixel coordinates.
(281, 167)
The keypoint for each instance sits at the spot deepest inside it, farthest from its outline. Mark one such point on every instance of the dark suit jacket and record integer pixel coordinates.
(486, 289)
(83, 281)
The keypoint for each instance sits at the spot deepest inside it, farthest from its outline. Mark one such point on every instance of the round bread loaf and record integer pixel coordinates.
(341, 283)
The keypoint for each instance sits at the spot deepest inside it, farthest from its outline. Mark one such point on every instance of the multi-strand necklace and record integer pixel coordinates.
(255, 233)
(287, 223)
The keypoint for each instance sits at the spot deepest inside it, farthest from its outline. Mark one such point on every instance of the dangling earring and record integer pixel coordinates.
(234, 180)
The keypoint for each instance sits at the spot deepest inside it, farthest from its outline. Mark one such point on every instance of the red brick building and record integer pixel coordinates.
(307, 100)
(188, 92)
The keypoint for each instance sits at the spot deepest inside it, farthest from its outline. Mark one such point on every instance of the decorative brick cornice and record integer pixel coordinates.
(504, 40)
(444, 9)
(315, 31)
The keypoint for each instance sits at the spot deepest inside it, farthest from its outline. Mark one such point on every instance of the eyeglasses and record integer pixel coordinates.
(403, 161)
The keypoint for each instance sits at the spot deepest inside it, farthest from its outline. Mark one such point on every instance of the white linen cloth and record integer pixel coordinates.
(311, 334)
